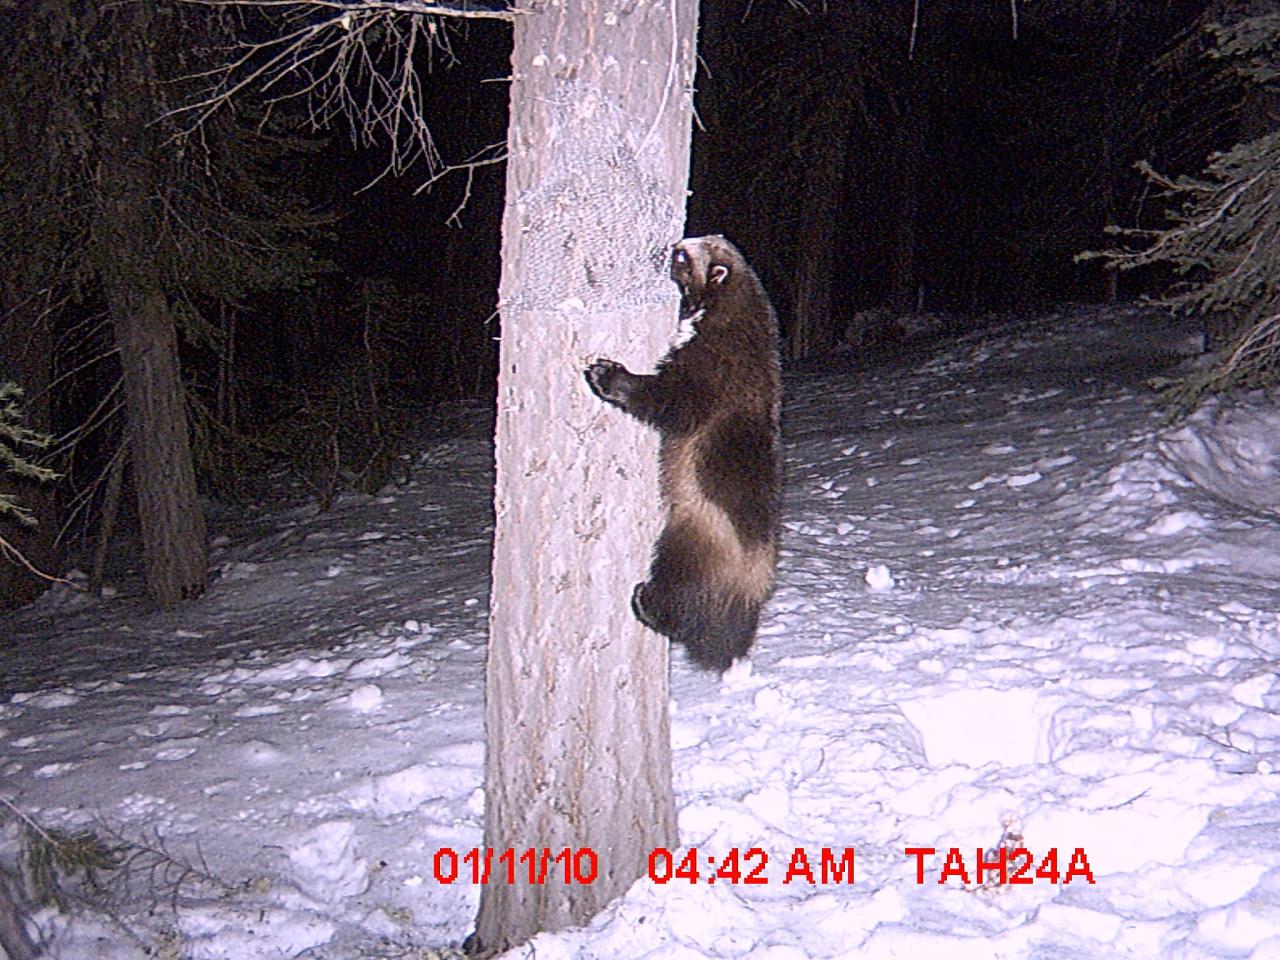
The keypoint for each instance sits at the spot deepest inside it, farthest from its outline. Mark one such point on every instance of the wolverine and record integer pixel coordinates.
(714, 400)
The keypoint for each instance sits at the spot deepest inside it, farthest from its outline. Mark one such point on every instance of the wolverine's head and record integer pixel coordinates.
(701, 263)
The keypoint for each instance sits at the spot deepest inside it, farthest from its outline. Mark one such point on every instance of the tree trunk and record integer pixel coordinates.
(1109, 132)
(712, 152)
(127, 234)
(812, 329)
(579, 753)
(811, 322)
(173, 532)
(910, 148)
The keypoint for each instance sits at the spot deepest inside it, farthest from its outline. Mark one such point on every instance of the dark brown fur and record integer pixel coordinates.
(714, 401)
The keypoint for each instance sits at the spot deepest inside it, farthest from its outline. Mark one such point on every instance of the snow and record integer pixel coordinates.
(1015, 609)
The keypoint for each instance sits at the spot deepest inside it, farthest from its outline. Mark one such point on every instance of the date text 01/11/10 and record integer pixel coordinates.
(533, 865)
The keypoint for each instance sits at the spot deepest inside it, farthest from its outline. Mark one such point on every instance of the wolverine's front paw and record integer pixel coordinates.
(608, 380)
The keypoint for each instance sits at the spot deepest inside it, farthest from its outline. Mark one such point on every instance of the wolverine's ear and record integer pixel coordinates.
(719, 273)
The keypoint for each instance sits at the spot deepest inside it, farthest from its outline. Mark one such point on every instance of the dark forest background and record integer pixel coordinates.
(875, 159)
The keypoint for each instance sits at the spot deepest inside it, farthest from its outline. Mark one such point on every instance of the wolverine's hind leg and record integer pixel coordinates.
(685, 600)
(673, 609)
(671, 601)
(725, 634)
(685, 613)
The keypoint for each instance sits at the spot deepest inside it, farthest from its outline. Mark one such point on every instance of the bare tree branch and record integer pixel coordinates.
(11, 554)
(418, 7)
(493, 153)
(357, 62)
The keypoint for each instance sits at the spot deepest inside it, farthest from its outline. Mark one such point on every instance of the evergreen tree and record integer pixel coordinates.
(109, 208)
(1223, 242)
(16, 444)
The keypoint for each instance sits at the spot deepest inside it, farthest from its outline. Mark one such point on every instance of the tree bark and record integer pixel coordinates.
(173, 531)
(577, 732)
(910, 150)
(127, 236)
(1109, 135)
(913, 143)
(812, 329)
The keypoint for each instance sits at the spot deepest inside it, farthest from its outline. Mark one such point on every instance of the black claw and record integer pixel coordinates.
(637, 607)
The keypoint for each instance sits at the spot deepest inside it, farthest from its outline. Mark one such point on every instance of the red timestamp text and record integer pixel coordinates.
(1005, 866)
(532, 865)
(747, 867)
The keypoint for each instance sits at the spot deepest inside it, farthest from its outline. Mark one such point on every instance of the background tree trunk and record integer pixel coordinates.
(1109, 133)
(812, 327)
(578, 743)
(173, 531)
(911, 142)
(127, 234)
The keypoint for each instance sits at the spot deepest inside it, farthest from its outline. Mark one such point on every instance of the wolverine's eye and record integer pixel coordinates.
(681, 256)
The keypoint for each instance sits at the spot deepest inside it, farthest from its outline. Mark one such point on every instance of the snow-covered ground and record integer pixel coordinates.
(1015, 609)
